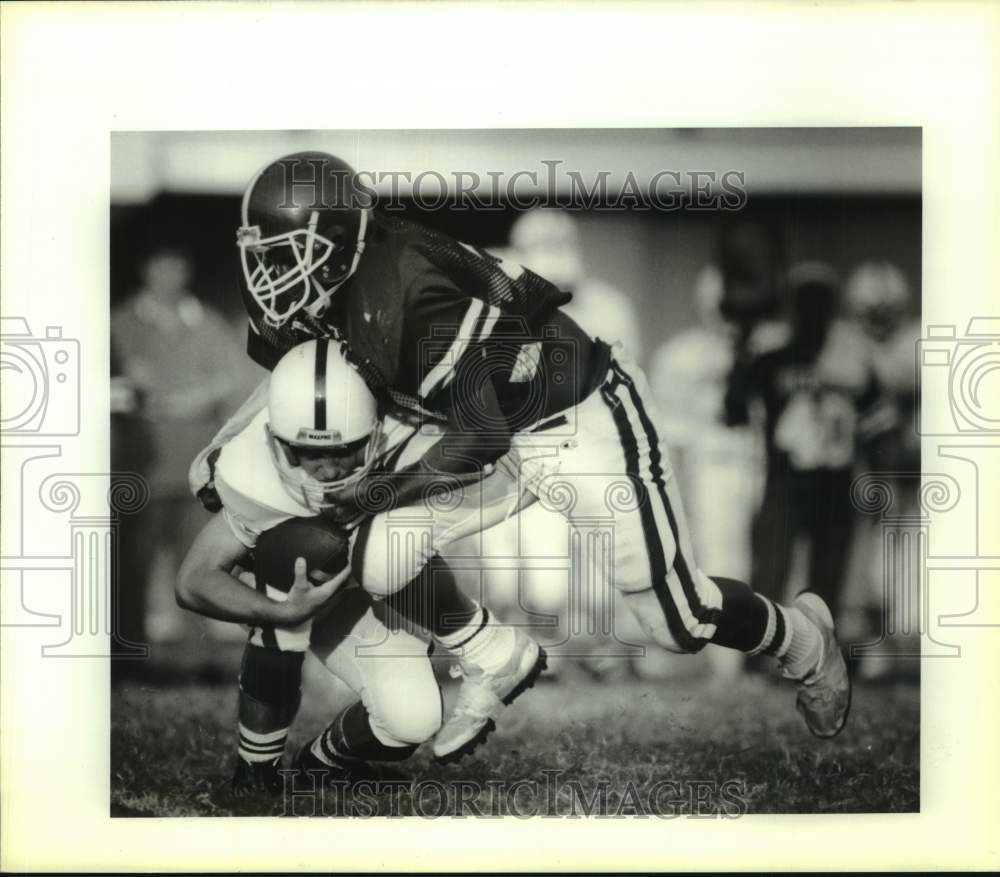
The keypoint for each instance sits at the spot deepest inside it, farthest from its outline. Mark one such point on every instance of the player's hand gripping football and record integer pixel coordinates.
(307, 598)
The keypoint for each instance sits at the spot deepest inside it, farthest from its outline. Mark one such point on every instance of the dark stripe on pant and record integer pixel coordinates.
(698, 609)
(477, 328)
(654, 547)
(322, 346)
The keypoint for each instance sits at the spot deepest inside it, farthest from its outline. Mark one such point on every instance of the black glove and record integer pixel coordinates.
(207, 494)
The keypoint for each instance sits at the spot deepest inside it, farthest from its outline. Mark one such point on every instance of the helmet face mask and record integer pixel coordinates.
(312, 492)
(295, 257)
(278, 270)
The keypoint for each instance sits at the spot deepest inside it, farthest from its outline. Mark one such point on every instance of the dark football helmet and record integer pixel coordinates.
(302, 234)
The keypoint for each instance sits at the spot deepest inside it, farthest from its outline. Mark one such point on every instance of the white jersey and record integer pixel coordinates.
(254, 499)
(387, 666)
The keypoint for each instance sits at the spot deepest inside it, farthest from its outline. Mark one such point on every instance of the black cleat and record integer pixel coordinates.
(345, 770)
(256, 778)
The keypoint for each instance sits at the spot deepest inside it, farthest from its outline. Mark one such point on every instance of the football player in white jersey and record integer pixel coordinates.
(321, 430)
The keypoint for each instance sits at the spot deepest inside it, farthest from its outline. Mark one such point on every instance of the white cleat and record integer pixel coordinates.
(483, 695)
(824, 697)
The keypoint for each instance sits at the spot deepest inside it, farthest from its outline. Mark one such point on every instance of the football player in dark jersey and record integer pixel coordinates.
(821, 398)
(533, 408)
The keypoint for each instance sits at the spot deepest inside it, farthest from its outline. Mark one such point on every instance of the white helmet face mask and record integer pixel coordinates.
(312, 492)
(282, 292)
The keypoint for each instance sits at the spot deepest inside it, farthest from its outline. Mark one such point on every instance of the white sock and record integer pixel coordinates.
(482, 643)
(802, 648)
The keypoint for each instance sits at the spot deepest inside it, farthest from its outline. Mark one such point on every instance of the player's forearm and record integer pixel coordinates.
(217, 594)
(437, 471)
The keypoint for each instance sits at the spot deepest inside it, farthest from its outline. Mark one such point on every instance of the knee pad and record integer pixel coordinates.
(270, 675)
(412, 723)
(369, 558)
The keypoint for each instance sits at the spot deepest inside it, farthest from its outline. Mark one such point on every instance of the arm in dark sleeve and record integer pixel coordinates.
(260, 350)
(451, 362)
(478, 431)
(477, 435)
(741, 386)
(466, 358)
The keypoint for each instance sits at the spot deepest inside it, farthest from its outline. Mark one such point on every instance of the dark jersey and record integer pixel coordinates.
(818, 407)
(425, 318)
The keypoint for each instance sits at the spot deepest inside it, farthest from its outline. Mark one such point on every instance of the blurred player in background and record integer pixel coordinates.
(721, 467)
(547, 241)
(879, 301)
(183, 358)
(820, 395)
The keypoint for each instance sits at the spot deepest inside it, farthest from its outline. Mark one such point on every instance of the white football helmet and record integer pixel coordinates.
(318, 401)
(547, 241)
(879, 296)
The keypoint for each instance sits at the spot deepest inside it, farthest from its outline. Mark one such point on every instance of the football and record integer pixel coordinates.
(323, 545)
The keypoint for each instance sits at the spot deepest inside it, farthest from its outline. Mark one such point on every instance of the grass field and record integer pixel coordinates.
(670, 746)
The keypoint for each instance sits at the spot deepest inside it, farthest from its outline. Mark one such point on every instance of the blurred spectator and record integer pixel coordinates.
(878, 299)
(751, 263)
(183, 357)
(818, 391)
(721, 468)
(548, 242)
